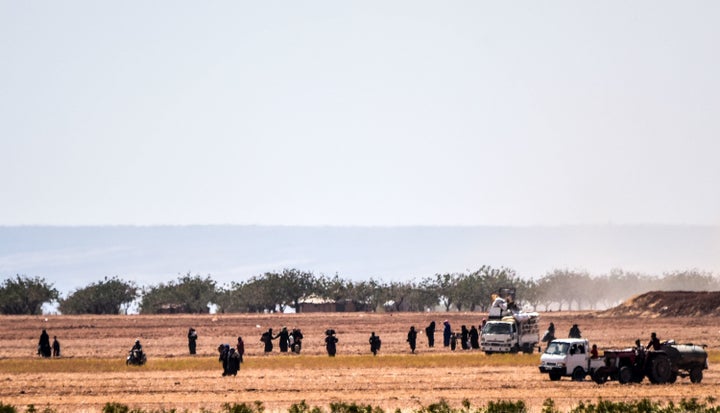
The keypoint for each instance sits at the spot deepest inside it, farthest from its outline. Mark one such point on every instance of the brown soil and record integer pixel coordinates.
(388, 387)
(669, 304)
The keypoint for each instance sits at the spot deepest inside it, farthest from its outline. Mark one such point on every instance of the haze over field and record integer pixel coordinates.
(72, 257)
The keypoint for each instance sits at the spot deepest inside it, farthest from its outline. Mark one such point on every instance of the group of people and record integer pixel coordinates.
(291, 340)
(231, 357)
(45, 349)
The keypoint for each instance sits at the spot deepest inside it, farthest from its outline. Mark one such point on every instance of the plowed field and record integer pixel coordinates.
(92, 370)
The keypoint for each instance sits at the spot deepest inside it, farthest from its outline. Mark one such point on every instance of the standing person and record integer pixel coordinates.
(224, 349)
(574, 332)
(233, 361)
(374, 343)
(284, 341)
(447, 331)
(453, 341)
(192, 340)
(331, 343)
(240, 347)
(267, 338)
(474, 338)
(44, 348)
(464, 335)
(296, 344)
(430, 333)
(412, 339)
(55, 347)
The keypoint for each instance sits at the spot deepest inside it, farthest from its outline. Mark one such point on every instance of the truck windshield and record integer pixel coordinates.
(497, 328)
(557, 348)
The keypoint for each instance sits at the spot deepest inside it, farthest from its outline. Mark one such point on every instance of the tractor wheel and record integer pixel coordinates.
(673, 378)
(625, 375)
(578, 374)
(660, 369)
(696, 375)
(554, 375)
(599, 377)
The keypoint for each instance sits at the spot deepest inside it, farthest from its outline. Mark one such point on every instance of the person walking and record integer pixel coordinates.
(412, 339)
(240, 347)
(267, 338)
(331, 342)
(55, 347)
(192, 340)
(44, 348)
(284, 341)
(474, 338)
(374, 343)
(464, 338)
(430, 333)
(447, 331)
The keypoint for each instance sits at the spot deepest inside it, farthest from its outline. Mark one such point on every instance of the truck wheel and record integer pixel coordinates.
(578, 374)
(660, 369)
(554, 376)
(515, 349)
(696, 375)
(625, 375)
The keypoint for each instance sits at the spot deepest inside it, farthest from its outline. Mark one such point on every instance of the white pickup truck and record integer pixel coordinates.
(569, 357)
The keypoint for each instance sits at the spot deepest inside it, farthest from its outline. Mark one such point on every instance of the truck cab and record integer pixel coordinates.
(569, 357)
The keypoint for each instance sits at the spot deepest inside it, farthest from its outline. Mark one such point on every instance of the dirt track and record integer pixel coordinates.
(388, 387)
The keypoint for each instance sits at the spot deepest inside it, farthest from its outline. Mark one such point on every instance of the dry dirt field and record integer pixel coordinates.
(394, 379)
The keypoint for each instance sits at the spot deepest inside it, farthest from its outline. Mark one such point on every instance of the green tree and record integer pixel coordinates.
(189, 294)
(104, 297)
(25, 295)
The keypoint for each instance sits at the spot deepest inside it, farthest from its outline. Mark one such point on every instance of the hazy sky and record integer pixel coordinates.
(359, 113)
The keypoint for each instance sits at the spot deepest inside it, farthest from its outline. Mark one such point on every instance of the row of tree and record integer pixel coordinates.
(278, 291)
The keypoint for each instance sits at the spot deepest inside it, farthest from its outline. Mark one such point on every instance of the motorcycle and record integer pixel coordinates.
(136, 358)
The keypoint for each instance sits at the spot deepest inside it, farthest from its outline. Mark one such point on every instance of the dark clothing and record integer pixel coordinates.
(44, 348)
(331, 345)
(297, 337)
(654, 344)
(56, 348)
(574, 332)
(267, 338)
(374, 344)
(474, 338)
(430, 333)
(240, 348)
(446, 333)
(224, 351)
(232, 363)
(192, 341)
(464, 335)
(412, 339)
(284, 337)
(453, 341)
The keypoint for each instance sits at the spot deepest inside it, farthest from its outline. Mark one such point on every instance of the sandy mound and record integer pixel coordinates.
(669, 304)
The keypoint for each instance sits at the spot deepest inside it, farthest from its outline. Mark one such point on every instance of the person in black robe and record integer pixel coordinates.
(44, 348)
(474, 338)
(331, 343)
(447, 332)
(284, 341)
(430, 333)
(374, 343)
(464, 338)
(412, 339)
(267, 338)
(55, 347)
(192, 340)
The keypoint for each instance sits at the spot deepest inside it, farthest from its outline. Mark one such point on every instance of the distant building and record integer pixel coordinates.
(315, 304)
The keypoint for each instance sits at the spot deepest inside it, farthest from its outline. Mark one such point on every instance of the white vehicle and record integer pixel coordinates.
(569, 357)
(511, 334)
